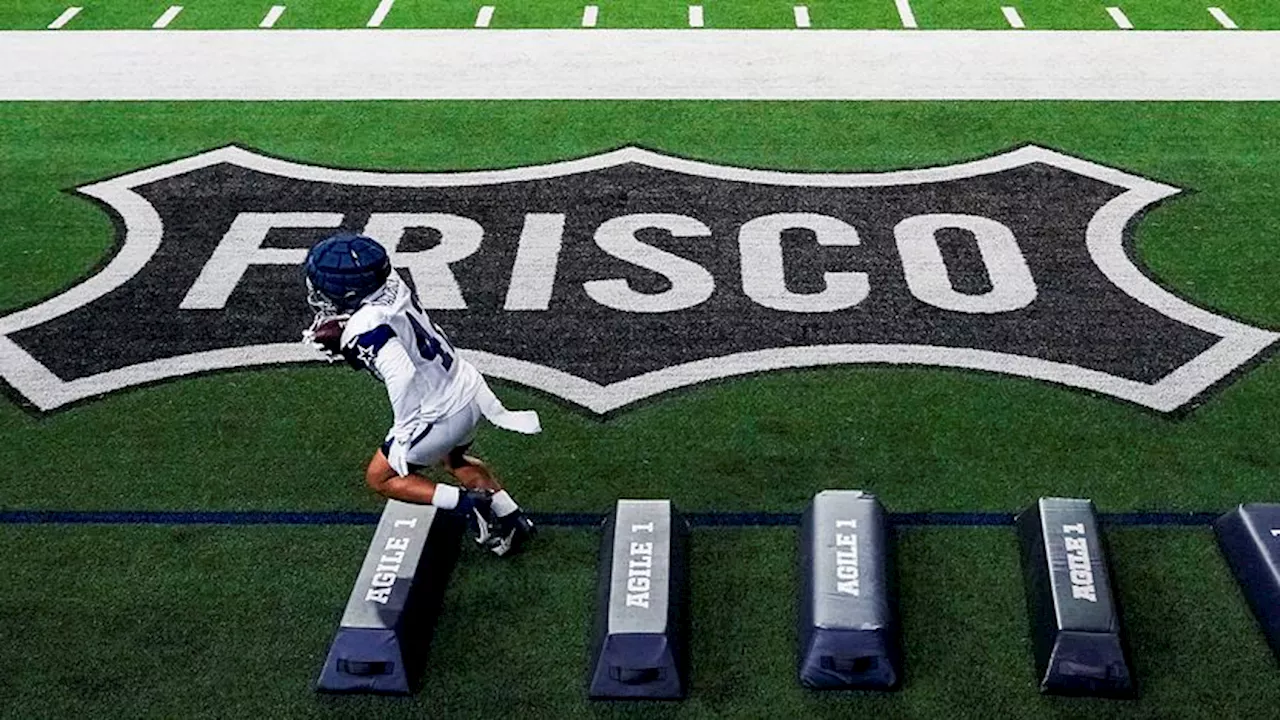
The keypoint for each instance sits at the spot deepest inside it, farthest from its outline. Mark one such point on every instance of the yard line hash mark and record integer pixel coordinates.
(802, 16)
(272, 16)
(64, 18)
(1122, 20)
(904, 12)
(1223, 19)
(163, 21)
(380, 13)
(695, 16)
(1015, 20)
(484, 17)
(590, 14)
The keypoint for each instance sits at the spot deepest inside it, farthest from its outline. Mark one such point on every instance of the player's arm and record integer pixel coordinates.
(388, 474)
(382, 352)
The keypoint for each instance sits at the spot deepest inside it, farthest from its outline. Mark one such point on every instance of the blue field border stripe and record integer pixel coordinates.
(178, 517)
(697, 519)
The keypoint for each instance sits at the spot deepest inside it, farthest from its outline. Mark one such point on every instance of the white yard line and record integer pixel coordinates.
(169, 15)
(904, 12)
(1011, 15)
(695, 16)
(1223, 19)
(380, 13)
(272, 16)
(289, 64)
(802, 16)
(484, 17)
(64, 18)
(1121, 20)
(590, 14)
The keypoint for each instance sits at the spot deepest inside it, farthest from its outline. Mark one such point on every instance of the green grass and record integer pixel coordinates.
(158, 622)
(759, 443)
(153, 622)
(825, 14)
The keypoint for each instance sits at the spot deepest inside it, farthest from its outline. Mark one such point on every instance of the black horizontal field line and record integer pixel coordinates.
(697, 519)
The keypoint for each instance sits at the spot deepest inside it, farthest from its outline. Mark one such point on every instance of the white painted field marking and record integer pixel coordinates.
(802, 16)
(64, 18)
(380, 13)
(695, 16)
(272, 16)
(163, 21)
(904, 12)
(1011, 14)
(484, 17)
(590, 14)
(1122, 20)
(1223, 19)
(607, 64)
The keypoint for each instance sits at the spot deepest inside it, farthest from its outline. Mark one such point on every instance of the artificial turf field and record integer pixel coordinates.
(206, 620)
(823, 14)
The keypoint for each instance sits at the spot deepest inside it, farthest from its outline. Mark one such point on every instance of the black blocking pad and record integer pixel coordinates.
(640, 648)
(1250, 540)
(383, 636)
(849, 629)
(1075, 624)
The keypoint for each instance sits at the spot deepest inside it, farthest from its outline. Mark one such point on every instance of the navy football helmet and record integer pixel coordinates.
(343, 270)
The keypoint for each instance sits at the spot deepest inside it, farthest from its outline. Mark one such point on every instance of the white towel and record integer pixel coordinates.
(521, 421)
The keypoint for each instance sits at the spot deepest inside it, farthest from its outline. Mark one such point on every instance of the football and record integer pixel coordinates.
(328, 335)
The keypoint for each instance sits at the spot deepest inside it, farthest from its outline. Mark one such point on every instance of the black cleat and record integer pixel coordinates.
(510, 534)
(480, 520)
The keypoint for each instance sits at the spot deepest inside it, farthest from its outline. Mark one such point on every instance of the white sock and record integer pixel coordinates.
(502, 504)
(446, 497)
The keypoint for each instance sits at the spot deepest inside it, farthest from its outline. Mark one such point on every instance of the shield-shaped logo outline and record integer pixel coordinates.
(143, 231)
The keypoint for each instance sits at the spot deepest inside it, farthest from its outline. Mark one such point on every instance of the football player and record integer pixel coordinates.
(367, 315)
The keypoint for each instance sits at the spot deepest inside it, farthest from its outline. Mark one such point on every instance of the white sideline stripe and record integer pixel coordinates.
(64, 18)
(272, 16)
(380, 13)
(163, 21)
(1223, 19)
(589, 15)
(695, 16)
(904, 12)
(802, 16)
(1011, 14)
(609, 64)
(1122, 20)
(484, 17)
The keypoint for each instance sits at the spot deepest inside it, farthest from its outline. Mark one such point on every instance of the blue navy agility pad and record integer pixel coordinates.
(1250, 540)
(385, 629)
(849, 630)
(640, 648)
(1075, 624)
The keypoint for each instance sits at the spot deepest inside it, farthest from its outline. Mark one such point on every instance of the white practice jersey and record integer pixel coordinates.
(394, 339)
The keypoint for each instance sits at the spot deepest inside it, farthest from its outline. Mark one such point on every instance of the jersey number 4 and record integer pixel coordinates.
(429, 346)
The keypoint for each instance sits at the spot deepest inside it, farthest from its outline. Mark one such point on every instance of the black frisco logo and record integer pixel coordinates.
(619, 276)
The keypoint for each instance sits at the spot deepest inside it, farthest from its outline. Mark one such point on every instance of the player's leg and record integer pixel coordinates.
(512, 528)
(470, 471)
(395, 471)
(385, 481)
(432, 445)
(412, 487)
